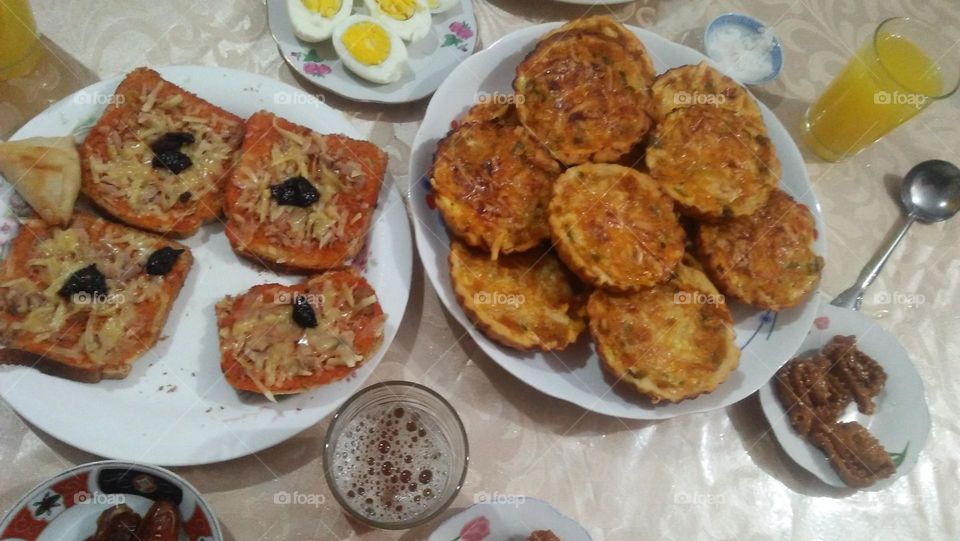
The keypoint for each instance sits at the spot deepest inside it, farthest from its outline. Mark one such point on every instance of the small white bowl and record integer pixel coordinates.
(750, 26)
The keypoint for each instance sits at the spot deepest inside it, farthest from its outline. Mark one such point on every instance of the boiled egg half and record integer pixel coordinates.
(370, 49)
(314, 20)
(410, 19)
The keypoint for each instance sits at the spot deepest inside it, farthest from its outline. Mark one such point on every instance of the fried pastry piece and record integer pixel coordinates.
(609, 27)
(45, 171)
(765, 259)
(86, 301)
(159, 156)
(854, 453)
(811, 396)
(543, 535)
(700, 84)
(502, 110)
(614, 227)
(493, 182)
(862, 377)
(277, 339)
(299, 199)
(715, 163)
(671, 342)
(583, 93)
(525, 301)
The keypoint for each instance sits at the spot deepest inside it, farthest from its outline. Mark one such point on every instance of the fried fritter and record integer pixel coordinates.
(714, 162)
(525, 300)
(583, 93)
(671, 342)
(765, 259)
(811, 396)
(609, 27)
(502, 110)
(614, 227)
(857, 457)
(493, 182)
(700, 85)
(859, 374)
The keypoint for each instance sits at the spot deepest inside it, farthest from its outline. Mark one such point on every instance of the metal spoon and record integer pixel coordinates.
(930, 193)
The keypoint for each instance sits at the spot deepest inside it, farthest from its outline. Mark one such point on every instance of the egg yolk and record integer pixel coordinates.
(400, 10)
(367, 42)
(326, 8)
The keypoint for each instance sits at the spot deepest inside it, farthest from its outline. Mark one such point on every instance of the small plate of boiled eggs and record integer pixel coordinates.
(382, 51)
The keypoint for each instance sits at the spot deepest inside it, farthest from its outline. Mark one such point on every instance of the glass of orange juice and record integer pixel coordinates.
(907, 65)
(19, 42)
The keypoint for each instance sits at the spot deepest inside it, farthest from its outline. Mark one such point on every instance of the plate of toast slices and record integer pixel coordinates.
(615, 221)
(236, 265)
(515, 518)
(850, 407)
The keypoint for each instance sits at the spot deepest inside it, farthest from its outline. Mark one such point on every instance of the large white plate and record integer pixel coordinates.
(175, 407)
(453, 37)
(767, 339)
(901, 421)
(508, 518)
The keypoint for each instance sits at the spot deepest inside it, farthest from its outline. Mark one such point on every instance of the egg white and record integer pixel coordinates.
(388, 71)
(314, 27)
(412, 29)
(443, 5)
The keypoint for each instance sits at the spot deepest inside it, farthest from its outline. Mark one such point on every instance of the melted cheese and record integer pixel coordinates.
(107, 323)
(272, 348)
(126, 173)
(300, 155)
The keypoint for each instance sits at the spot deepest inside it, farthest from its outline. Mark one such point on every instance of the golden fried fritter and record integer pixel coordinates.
(525, 300)
(765, 259)
(584, 95)
(700, 85)
(714, 162)
(671, 342)
(609, 27)
(501, 109)
(493, 182)
(614, 227)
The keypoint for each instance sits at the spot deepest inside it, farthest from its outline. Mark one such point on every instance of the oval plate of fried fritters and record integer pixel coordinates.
(587, 199)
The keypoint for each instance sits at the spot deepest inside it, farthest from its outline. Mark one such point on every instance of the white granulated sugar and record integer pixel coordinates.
(743, 53)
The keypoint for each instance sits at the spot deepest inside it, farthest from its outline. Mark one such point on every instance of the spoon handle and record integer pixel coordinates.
(852, 297)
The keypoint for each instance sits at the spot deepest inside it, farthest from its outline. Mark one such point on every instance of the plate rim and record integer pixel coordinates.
(537, 501)
(421, 231)
(393, 195)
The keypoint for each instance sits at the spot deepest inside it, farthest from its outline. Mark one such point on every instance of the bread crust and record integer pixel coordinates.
(671, 342)
(765, 259)
(715, 163)
(614, 228)
(59, 351)
(364, 327)
(524, 301)
(584, 94)
(492, 181)
(349, 174)
(123, 183)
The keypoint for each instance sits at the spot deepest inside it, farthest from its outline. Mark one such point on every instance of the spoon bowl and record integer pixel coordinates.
(931, 191)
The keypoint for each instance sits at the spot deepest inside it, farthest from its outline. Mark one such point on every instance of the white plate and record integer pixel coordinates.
(901, 421)
(575, 375)
(175, 407)
(67, 506)
(513, 519)
(451, 40)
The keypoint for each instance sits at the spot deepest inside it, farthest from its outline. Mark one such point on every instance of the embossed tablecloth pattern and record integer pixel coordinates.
(711, 476)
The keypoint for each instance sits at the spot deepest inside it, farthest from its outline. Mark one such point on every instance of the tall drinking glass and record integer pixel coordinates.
(906, 66)
(19, 42)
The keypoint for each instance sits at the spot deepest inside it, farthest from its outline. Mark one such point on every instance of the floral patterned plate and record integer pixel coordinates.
(901, 421)
(67, 506)
(452, 39)
(513, 519)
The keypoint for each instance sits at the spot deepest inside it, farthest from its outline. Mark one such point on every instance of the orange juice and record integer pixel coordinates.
(886, 83)
(19, 43)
